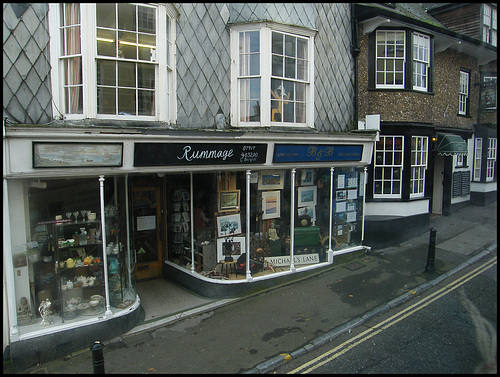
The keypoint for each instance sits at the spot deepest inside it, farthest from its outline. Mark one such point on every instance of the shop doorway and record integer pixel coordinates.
(437, 192)
(148, 225)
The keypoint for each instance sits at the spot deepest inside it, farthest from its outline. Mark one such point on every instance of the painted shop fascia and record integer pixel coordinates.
(101, 165)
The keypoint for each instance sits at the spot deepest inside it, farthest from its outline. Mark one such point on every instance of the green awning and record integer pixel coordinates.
(449, 144)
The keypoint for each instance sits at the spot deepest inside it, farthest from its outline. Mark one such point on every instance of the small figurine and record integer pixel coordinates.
(45, 312)
(24, 314)
(273, 234)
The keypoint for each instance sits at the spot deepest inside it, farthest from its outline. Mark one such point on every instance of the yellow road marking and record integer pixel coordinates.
(367, 334)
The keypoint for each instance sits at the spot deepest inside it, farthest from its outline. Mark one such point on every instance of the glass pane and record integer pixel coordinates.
(146, 76)
(146, 102)
(106, 72)
(244, 63)
(277, 66)
(74, 104)
(395, 187)
(277, 43)
(378, 173)
(146, 19)
(106, 42)
(381, 51)
(289, 112)
(147, 46)
(290, 46)
(380, 78)
(399, 79)
(398, 158)
(389, 78)
(290, 68)
(289, 90)
(301, 112)
(106, 15)
(387, 187)
(254, 41)
(106, 100)
(254, 88)
(302, 69)
(73, 71)
(126, 74)
(254, 111)
(127, 45)
(71, 14)
(301, 49)
(300, 92)
(126, 102)
(254, 64)
(73, 40)
(388, 158)
(126, 17)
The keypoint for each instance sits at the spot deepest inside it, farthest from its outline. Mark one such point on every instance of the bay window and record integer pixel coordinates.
(111, 59)
(491, 159)
(272, 76)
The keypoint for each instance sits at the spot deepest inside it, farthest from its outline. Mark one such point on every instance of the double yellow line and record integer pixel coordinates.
(367, 334)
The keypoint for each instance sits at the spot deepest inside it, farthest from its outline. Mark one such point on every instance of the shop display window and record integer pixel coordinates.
(326, 216)
(65, 262)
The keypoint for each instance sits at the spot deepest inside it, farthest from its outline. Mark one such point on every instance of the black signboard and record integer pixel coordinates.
(172, 154)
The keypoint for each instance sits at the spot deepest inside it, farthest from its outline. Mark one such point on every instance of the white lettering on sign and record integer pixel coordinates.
(205, 155)
(297, 259)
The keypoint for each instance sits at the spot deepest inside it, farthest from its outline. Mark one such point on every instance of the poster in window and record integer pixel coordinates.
(271, 204)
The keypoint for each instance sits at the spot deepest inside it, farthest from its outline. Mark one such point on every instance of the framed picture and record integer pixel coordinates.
(178, 238)
(185, 195)
(271, 204)
(307, 178)
(309, 210)
(228, 225)
(229, 201)
(307, 196)
(67, 155)
(237, 247)
(271, 180)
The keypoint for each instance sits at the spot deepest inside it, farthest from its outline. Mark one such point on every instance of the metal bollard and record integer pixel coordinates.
(431, 254)
(97, 357)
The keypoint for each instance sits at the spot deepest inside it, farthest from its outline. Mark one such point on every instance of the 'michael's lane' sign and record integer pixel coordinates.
(171, 154)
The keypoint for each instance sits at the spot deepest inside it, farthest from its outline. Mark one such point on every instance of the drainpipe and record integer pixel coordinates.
(292, 220)
(355, 49)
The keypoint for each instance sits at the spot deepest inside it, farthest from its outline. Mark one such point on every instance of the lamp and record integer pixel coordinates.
(37, 184)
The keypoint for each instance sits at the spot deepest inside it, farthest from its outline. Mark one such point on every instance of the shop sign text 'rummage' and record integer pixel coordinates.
(171, 154)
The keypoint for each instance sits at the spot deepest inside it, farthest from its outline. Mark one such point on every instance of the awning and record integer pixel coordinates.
(449, 144)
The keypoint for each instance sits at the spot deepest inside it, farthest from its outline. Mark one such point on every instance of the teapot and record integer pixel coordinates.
(70, 263)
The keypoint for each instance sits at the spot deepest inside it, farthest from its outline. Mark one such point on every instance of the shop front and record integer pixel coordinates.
(90, 212)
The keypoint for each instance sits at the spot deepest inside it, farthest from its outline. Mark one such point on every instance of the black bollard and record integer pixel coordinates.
(431, 254)
(97, 357)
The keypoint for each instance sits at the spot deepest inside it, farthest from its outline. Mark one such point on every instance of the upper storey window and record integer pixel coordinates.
(489, 24)
(272, 76)
(112, 61)
(402, 60)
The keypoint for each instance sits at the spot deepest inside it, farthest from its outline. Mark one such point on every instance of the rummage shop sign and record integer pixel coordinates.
(163, 154)
(297, 260)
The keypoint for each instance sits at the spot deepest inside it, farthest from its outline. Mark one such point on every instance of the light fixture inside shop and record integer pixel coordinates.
(124, 42)
(37, 184)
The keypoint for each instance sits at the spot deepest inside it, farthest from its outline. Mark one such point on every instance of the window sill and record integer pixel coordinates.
(399, 90)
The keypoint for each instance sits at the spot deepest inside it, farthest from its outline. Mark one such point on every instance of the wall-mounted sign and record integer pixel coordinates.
(66, 155)
(163, 154)
(316, 153)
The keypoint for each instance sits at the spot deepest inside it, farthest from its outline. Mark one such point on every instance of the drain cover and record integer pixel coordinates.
(354, 266)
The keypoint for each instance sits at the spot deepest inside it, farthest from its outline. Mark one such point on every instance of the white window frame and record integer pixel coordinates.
(387, 61)
(165, 73)
(491, 159)
(265, 29)
(421, 61)
(489, 25)
(478, 156)
(419, 153)
(463, 93)
(388, 166)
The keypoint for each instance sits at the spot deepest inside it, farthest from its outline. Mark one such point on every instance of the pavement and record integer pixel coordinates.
(182, 332)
